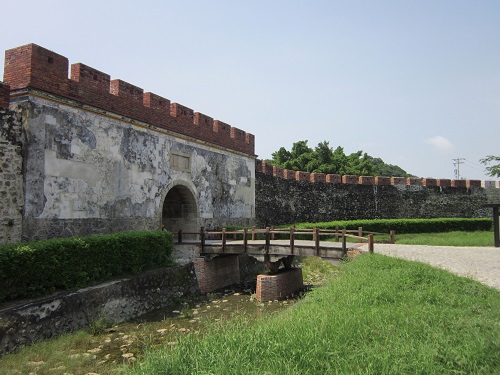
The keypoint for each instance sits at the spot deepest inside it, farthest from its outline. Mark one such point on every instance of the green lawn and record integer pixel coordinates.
(470, 239)
(377, 315)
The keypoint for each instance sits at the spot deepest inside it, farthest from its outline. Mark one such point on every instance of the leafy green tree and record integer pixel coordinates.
(324, 159)
(492, 170)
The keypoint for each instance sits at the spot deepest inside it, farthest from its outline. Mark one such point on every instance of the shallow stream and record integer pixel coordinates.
(127, 341)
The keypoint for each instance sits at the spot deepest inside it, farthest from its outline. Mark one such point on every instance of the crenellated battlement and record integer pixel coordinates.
(266, 168)
(32, 66)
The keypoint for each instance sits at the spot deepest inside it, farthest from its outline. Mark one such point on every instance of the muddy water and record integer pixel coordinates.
(127, 341)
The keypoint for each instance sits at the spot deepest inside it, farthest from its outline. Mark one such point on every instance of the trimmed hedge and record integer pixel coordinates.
(36, 268)
(407, 225)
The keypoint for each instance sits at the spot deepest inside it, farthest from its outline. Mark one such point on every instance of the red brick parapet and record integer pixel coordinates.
(334, 178)
(318, 177)
(269, 169)
(278, 172)
(443, 182)
(302, 176)
(473, 183)
(34, 67)
(366, 180)
(414, 181)
(382, 180)
(429, 182)
(458, 183)
(350, 179)
(398, 181)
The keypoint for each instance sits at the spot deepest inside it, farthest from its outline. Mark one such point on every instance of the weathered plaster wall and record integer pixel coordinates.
(283, 201)
(11, 180)
(91, 172)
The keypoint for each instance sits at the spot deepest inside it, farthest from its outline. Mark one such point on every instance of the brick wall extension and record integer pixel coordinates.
(279, 286)
(32, 66)
(11, 178)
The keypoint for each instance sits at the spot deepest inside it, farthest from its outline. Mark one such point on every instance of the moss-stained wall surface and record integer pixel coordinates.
(281, 201)
(11, 179)
(89, 171)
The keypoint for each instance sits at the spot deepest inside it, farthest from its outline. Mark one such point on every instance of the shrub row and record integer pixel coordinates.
(37, 268)
(407, 225)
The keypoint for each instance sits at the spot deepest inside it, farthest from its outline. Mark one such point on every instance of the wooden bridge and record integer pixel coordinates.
(274, 246)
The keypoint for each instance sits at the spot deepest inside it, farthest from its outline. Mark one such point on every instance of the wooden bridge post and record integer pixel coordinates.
(223, 239)
(316, 240)
(253, 233)
(393, 236)
(292, 239)
(344, 242)
(245, 239)
(202, 239)
(370, 243)
(272, 232)
(179, 236)
(268, 240)
(360, 231)
(337, 234)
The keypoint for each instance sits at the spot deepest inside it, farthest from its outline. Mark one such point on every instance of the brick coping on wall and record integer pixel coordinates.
(32, 66)
(288, 174)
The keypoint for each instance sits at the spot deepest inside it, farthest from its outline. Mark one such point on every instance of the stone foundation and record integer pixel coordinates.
(279, 286)
(116, 301)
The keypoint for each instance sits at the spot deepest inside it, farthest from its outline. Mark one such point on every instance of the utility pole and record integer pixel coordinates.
(457, 163)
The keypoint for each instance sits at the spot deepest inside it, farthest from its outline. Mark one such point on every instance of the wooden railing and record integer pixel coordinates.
(220, 238)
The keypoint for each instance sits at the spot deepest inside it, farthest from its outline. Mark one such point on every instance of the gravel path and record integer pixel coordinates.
(479, 263)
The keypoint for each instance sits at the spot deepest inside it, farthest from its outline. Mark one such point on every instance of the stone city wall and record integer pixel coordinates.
(305, 197)
(11, 179)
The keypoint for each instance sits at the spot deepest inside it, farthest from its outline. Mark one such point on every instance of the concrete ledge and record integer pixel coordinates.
(279, 286)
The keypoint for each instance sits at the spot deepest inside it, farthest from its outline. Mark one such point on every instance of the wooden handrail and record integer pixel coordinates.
(270, 232)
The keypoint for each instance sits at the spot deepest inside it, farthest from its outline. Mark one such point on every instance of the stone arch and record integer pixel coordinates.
(180, 208)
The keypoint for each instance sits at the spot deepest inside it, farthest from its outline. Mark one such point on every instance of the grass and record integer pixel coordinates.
(66, 354)
(378, 315)
(470, 239)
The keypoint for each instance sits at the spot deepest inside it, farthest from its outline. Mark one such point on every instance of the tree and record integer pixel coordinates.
(492, 170)
(324, 159)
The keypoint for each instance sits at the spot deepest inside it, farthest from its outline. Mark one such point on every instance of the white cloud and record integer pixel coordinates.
(440, 143)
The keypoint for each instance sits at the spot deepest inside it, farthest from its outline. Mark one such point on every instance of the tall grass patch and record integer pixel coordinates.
(378, 315)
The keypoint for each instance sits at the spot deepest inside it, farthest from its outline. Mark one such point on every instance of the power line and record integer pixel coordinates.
(467, 160)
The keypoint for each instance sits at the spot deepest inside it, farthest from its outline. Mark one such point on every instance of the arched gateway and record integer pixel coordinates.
(180, 210)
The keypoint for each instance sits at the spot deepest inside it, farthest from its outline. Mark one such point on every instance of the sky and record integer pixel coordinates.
(416, 83)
